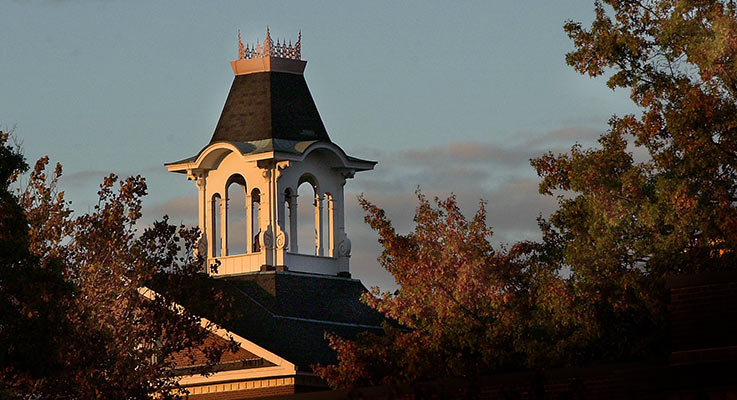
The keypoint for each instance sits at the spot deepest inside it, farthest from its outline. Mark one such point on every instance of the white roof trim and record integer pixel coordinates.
(282, 367)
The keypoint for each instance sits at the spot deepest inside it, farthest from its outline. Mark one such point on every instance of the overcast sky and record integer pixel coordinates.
(448, 96)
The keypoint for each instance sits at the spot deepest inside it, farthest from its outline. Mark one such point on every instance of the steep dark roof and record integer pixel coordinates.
(269, 105)
(288, 313)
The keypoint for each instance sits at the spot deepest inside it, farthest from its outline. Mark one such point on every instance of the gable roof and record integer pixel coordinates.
(269, 105)
(288, 313)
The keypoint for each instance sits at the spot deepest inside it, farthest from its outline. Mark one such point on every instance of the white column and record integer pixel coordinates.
(331, 225)
(202, 205)
(260, 221)
(249, 223)
(224, 226)
(202, 200)
(210, 232)
(293, 223)
(343, 245)
(318, 225)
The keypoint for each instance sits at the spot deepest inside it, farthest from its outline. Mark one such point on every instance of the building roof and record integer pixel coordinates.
(269, 105)
(289, 313)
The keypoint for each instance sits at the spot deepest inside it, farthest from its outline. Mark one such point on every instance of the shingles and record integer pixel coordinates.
(309, 297)
(289, 314)
(269, 105)
(293, 312)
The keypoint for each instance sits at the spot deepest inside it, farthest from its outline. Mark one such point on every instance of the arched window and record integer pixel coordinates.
(216, 237)
(237, 216)
(309, 219)
(255, 221)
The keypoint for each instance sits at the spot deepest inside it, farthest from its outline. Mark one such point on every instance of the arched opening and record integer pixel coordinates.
(216, 236)
(255, 223)
(309, 218)
(237, 215)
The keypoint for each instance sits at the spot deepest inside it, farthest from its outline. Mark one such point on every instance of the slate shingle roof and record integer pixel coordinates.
(269, 105)
(288, 313)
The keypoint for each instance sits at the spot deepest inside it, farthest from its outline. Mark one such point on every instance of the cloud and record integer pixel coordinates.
(466, 152)
(471, 160)
(182, 209)
(569, 135)
(84, 177)
(154, 170)
(96, 176)
(512, 209)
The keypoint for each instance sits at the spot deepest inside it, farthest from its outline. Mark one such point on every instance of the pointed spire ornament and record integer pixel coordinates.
(267, 43)
(241, 49)
(269, 48)
(298, 46)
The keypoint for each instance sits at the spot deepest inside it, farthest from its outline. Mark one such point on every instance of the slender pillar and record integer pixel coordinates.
(343, 246)
(211, 216)
(318, 225)
(331, 225)
(202, 200)
(293, 223)
(249, 223)
(224, 226)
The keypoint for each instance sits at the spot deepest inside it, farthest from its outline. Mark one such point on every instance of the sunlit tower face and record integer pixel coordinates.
(270, 181)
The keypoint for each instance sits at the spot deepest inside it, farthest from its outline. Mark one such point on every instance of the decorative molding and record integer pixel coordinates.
(241, 385)
(197, 175)
(269, 49)
(281, 240)
(280, 167)
(344, 247)
(266, 165)
(201, 247)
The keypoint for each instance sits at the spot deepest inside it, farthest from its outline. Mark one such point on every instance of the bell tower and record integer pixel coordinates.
(270, 140)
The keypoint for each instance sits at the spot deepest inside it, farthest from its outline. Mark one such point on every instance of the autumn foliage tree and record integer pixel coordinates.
(463, 308)
(593, 290)
(78, 319)
(632, 224)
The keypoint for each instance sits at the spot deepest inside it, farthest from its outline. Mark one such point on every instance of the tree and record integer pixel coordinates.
(79, 282)
(463, 308)
(31, 294)
(632, 224)
(594, 288)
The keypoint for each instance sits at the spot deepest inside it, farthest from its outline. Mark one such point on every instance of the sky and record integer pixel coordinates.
(450, 97)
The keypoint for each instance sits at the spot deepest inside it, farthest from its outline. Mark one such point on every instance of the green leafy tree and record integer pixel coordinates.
(631, 224)
(77, 320)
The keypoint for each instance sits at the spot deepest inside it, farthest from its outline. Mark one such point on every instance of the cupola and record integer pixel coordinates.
(269, 140)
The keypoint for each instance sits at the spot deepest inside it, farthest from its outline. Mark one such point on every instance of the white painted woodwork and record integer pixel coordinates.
(273, 179)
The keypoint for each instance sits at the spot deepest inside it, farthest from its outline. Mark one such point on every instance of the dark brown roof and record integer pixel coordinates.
(269, 105)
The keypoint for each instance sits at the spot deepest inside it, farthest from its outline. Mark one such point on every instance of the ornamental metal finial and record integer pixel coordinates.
(268, 44)
(298, 45)
(241, 49)
(280, 49)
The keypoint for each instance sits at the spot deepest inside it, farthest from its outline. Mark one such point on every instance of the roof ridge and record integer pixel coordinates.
(327, 322)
